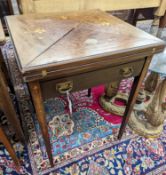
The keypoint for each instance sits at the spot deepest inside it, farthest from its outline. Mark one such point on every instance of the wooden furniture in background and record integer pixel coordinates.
(160, 14)
(150, 9)
(163, 21)
(159, 19)
(2, 63)
(5, 8)
(78, 50)
(2, 35)
(7, 107)
(5, 102)
(47, 6)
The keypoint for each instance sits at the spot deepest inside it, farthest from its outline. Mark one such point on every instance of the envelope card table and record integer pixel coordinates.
(78, 50)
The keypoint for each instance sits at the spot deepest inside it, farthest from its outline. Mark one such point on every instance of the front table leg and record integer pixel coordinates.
(133, 95)
(40, 113)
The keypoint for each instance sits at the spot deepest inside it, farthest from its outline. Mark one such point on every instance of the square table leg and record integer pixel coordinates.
(133, 95)
(40, 113)
(6, 143)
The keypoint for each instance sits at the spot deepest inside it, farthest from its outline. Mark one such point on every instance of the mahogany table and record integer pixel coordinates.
(78, 50)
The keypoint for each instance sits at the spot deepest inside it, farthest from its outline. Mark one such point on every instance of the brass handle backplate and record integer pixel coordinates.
(63, 87)
(126, 72)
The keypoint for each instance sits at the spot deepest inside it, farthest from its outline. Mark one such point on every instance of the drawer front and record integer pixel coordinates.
(90, 79)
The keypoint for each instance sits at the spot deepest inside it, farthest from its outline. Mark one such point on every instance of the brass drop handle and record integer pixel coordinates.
(64, 87)
(126, 72)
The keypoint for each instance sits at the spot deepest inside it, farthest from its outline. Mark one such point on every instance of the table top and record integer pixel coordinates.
(58, 40)
(2, 35)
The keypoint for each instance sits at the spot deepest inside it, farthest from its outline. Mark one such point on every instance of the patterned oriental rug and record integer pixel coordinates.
(85, 144)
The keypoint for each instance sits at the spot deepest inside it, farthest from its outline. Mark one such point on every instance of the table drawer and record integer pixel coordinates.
(91, 79)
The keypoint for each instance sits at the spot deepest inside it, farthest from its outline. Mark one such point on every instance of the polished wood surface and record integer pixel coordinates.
(58, 40)
(6, 104)
(45, 6)
(40, 114)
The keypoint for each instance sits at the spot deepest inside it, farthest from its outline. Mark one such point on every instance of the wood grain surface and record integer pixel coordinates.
(45, 6)
(49, 40)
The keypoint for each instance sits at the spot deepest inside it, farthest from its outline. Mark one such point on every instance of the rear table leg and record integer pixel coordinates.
(133, 96)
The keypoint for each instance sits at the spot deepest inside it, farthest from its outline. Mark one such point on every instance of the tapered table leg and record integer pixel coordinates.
(40, 113)
(133, 95)
(6, 143)
(8, 108)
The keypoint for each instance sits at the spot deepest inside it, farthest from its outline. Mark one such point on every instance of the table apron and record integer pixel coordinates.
(94, 78)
